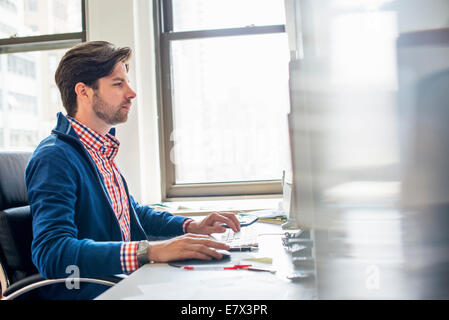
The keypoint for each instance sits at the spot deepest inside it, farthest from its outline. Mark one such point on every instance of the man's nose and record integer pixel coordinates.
(131, 94)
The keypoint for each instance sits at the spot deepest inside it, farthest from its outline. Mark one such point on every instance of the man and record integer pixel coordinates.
(83, 216)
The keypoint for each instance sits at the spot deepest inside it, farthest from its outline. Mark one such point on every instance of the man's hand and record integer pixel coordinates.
(213, 223)
(188, 246)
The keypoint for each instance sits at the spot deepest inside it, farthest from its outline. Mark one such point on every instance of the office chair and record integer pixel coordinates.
(19, 277)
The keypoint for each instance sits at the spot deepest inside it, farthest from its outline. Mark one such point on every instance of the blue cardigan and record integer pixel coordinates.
(73, 220)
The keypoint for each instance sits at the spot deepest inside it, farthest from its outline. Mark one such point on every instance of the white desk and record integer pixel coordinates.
(163, 282)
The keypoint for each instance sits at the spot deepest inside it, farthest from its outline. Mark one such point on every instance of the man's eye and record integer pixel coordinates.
(118, 84)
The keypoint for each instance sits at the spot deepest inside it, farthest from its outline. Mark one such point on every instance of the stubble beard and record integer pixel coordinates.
(112, 115)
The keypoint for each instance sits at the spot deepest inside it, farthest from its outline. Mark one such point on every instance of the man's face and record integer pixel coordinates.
(112, 100)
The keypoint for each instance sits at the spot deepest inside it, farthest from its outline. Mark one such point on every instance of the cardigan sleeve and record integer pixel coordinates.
(159, 224)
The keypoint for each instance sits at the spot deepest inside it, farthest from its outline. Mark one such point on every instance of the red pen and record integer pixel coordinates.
(234, 267)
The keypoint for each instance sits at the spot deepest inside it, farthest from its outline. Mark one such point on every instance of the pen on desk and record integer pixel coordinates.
(261, 269)
(234, 267)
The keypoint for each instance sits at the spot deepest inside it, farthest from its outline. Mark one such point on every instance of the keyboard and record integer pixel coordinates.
(247, 237)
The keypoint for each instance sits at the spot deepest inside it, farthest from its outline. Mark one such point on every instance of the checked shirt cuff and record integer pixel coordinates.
(186, 224)
(128, 257)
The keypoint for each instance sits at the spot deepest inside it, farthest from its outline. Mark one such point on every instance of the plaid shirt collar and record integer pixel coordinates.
(107, 145)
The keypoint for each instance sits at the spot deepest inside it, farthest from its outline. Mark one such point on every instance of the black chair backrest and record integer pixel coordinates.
(15, 217)
(12, 179)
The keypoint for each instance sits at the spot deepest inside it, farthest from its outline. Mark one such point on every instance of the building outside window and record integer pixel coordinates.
(33, 34)
(223, 96)
(32, 5)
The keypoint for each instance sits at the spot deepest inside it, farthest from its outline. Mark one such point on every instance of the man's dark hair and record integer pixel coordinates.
(87, 62)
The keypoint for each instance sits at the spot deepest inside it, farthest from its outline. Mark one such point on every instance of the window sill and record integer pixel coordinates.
(195, 208)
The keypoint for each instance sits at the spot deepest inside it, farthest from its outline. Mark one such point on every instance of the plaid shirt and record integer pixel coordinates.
(103, 150)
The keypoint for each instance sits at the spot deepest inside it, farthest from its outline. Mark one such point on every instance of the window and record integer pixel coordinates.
(32, 5)
(23, 138)
(9, 5)
(22, 103)
(33, 37)
(223, 70)
(21, 65)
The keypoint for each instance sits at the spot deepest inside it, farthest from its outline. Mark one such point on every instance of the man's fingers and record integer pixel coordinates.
(205, 250)
(209, 242)
(192, 254)
(232, 217)
(199, 251)
(228, 218)
(195, 236)
(216, 228)
(200, 255)
(188, 246)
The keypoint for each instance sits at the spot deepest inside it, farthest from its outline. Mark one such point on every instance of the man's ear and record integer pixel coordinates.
(83, 91)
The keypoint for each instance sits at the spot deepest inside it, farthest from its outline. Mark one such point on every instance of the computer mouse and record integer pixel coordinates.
(224, 253)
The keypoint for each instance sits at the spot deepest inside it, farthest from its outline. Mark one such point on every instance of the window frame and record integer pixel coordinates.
(46, 41)
(43, 42)
(164, 35)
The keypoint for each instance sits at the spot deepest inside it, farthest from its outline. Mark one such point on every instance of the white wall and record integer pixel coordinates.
(130, 23)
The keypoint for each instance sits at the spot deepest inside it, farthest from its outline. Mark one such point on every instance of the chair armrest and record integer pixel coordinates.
(36, 281)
